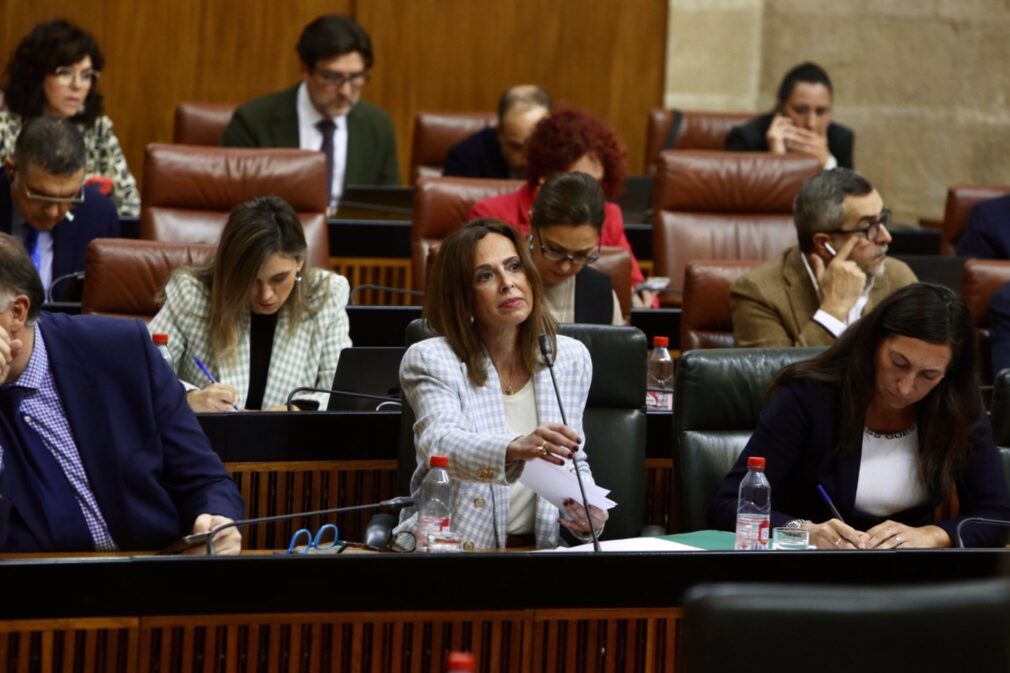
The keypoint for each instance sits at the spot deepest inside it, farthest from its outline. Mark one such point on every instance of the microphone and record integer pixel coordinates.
(73, 275)
(547, 350)
(383, 288)
(976, 519)
(207, 538)
(349, 393)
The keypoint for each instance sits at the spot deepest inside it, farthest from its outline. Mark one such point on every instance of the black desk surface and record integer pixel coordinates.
(42, 588)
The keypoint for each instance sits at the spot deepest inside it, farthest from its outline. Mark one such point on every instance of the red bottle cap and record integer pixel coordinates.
(160, 339)
(461, 662)
(661, 341)
(755, 463)
(440, 461)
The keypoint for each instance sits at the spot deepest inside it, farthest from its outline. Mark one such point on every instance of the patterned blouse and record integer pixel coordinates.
(104, 157)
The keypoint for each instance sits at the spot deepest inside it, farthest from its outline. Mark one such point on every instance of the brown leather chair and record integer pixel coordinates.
(695, 130)
(722, 205)
(960, 200)
(436, 132)
(982, 278)
(189, 190)
(441, 206)
(123, 277)
(707, 319)
(201, 123)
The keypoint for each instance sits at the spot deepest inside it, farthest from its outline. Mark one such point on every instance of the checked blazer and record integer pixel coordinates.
(308, 357)
(467, 424)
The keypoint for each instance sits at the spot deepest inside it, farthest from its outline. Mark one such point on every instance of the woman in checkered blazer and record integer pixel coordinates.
(260, 320)
(483, 397)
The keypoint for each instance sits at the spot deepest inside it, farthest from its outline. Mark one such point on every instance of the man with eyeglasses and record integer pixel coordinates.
(45, 205)
(325, 111)
(839, 271)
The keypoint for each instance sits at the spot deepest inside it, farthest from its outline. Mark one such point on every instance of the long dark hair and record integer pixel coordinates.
(946, 416)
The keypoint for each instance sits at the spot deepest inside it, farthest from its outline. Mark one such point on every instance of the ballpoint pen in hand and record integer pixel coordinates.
(827, 499)
(210, 377)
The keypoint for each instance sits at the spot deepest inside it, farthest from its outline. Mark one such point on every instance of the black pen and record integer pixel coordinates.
(827, 499)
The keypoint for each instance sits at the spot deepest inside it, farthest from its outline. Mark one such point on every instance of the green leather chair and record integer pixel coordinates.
(719, 396)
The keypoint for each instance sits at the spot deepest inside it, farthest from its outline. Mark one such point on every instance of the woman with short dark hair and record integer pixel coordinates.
(887, 421)
(262, 321)
(55, 72)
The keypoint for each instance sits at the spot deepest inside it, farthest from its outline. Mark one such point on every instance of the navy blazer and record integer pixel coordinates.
(478, 156)
(150, 466)
(796, 436)
(750, 137)
(987, 233)
(95, 218)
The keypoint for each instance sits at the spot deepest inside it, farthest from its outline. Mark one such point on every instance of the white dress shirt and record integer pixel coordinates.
(311, 138)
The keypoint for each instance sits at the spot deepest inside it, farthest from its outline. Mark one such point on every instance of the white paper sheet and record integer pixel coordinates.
(630, 544)
(556, 484)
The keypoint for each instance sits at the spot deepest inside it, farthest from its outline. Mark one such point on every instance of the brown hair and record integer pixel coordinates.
(448, 304)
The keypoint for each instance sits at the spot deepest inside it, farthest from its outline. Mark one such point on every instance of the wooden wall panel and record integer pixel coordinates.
(606, 56)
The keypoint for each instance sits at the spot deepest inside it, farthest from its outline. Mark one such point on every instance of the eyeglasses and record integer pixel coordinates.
(66, 75)
(58, 200)
(339, 79)
(870, 231)
(562, 255)
(303, 542)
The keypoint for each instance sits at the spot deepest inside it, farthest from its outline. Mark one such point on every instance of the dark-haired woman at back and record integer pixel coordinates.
(888, 420)
(55, 72)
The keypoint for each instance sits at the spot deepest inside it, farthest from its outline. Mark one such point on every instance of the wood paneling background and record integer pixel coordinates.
(606, 55)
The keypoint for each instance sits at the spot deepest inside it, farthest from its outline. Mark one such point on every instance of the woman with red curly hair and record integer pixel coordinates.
(565, 141)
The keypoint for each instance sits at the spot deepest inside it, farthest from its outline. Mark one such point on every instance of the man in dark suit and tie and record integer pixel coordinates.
(44, 204)
(98, 448)
(325, 111)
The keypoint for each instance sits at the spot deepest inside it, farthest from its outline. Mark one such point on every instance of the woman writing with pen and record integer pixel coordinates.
(256, 322)
(863, 442)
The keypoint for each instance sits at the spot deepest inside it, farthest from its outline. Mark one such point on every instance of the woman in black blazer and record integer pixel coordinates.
(887, 421)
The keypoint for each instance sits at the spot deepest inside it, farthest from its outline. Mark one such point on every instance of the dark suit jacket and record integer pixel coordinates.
(750, 137)
(999, 329)
(150, 466)
(478, 156)
(987, 234)
(796, 436)
(272, 121)
(95, 218)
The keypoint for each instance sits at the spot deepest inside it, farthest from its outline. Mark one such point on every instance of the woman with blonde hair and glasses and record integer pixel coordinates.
(260, 321)
(483, 397)
(55, 71)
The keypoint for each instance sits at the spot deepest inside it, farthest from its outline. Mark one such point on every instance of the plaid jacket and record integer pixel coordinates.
(467, 423)
(306, 358)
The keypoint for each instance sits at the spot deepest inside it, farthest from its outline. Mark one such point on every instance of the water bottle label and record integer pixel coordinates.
(659, 399)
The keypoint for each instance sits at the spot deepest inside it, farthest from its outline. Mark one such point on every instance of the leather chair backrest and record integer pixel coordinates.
(696, 130)
(982, 278)
(124, 277)
(706, 320)
(441, 206)
(926, 628)
(722, 205)
(614, 420)
(436, 132)
(960, 200)
(201, 123)
(718, 397)
(189, 191)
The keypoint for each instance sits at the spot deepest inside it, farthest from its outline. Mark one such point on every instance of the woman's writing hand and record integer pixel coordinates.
(550, 441)
(215, 397)
(835, 534)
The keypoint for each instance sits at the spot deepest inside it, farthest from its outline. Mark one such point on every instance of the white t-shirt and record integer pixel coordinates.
(521, 418)
(889, 478)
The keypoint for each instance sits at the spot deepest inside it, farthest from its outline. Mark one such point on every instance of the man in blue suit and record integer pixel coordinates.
(98, 448)
(44, 204)
(987, 234)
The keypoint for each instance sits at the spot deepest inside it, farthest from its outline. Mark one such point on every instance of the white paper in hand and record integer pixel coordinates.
(555, 483)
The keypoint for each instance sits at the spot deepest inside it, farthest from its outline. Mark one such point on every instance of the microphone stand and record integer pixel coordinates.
(548, 352)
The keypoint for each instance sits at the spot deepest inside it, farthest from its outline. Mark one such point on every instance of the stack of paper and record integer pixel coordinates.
(557, 483)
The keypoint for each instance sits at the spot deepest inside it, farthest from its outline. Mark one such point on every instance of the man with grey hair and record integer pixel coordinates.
(501, 152)
(839, 271)
(45, 205)
(98, 448)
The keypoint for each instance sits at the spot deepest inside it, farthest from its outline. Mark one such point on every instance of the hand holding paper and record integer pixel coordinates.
(557, 483)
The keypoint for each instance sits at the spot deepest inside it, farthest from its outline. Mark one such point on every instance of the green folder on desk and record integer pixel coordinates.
(709, 540)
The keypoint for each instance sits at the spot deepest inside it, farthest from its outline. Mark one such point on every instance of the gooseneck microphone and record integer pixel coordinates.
(348, 393)
(207, 538)
(547, 350)
(976, 519)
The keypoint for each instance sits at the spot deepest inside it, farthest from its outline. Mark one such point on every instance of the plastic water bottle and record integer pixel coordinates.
(754, 508)
(435, 512)
(461, 662)
(161, 343)
(659, 390)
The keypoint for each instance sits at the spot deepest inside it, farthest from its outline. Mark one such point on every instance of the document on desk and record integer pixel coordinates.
(632, 544)
(556, 483)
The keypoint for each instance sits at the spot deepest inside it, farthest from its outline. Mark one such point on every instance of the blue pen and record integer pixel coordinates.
(827, 498)
(206, 372)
